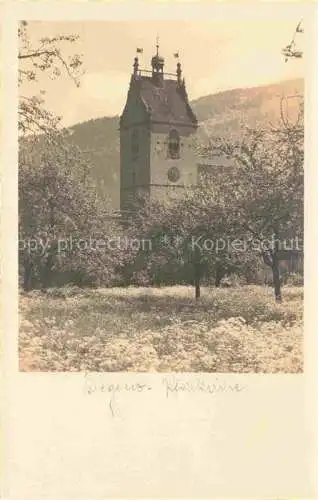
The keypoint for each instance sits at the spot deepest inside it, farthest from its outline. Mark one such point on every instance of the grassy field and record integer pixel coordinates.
(162, 329)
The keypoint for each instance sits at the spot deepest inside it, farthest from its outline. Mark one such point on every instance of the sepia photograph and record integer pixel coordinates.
(161, 195)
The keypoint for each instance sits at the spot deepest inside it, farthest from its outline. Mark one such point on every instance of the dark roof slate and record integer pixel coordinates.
(168, 103)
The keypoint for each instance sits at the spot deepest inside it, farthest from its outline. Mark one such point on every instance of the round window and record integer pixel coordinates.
(173, 174)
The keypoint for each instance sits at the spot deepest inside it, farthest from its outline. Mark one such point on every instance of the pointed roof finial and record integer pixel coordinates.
(157, 62)
(157, 43)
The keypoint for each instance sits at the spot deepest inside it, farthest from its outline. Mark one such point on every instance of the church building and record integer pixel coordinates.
(157, 131)
(157, 128)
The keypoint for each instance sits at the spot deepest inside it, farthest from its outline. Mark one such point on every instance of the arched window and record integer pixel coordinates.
(134, 144)
(174, 144)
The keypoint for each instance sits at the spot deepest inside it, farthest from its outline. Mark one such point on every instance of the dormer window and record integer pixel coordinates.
(134, 144)
(174, 144)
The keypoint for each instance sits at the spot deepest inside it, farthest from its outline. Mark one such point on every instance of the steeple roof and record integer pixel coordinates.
(162, 95)
(168, 103)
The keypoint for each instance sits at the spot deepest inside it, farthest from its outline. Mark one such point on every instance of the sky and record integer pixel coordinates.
(215, 55)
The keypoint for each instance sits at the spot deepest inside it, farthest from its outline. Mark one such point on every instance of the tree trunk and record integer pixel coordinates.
(270, 258)
(47, 272)
(197, 283)
(27, 275)
(276, 278)
(197, 273)
(218, 275)
(275, 269)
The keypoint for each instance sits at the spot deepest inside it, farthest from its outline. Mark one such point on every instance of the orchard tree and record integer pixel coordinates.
(64, 226)
(188, 240)
(267, 188)
(212, 231)
(152, 260)
(46, 56)
(57, 197)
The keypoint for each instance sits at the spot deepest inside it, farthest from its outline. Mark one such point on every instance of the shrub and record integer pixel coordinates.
(294, 280)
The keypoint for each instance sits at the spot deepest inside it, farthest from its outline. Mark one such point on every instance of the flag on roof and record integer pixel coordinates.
(139, 50)
(176, 54)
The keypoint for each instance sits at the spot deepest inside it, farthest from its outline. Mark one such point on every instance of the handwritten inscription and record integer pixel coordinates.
(174, 384)
(113, 388)
(170, 384)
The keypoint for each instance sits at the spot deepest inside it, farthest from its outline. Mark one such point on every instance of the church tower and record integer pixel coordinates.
(157, 127)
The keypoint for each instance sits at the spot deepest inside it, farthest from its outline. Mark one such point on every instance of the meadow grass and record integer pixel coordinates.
(162, 329)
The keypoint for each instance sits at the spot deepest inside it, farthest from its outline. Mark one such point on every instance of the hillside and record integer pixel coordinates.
(223, 113)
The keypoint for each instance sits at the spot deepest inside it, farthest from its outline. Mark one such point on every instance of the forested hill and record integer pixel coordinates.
(223, 113)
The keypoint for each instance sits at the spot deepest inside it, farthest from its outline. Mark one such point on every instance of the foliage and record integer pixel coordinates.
(61, 218)
(186, 241)
(45, 56)
(291, 50)
(294, 279)
(265, 192)
(162, 329)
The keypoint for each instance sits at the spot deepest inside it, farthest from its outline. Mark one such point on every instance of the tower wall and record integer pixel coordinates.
(134, 168)
(161, 163)
(158, 166)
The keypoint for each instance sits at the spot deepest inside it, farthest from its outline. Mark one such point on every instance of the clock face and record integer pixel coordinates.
(173, 174)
